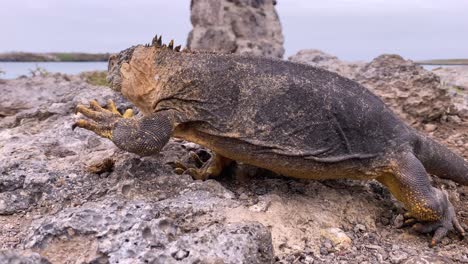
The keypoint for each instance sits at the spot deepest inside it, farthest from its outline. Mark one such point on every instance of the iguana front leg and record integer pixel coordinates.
(145, 136)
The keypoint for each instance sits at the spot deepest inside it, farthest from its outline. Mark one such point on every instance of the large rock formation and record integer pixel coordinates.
(240, 26)
(414, 93)
(329, 62)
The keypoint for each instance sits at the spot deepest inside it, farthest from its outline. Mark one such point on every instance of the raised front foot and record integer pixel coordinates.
(102, 120)
(210, 169)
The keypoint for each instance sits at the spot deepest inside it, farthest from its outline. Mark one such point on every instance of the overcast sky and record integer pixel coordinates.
(349, 29)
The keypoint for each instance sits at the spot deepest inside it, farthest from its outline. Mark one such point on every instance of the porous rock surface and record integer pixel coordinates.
(415, 94)
(455, 79)
(78, 216)
(56, 207)
(236, 26)
(12, 257)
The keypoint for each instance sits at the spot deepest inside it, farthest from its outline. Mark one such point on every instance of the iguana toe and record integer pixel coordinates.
(198, 161)
(128, 113)
(203, 170)
(92, 126)
(102, 120)
(409, 219)
(409, 222)
(198, 172)
(178, 167)
(408, 215)
(447, 222)
(111, 107)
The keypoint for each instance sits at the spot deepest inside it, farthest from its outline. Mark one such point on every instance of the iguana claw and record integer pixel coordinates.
(440, 228)
(103, 120)
(212, 168)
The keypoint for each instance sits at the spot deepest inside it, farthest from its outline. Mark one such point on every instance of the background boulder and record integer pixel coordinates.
(415, 94)
(239, 26)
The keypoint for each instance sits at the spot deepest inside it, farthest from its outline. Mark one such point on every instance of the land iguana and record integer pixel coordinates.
(293, 119)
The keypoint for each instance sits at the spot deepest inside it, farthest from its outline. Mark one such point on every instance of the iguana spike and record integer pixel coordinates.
(177, 48)
(171, 44)
(154, 42)
(160, 41)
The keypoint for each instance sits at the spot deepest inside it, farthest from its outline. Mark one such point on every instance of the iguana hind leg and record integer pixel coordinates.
(210, 169)
(408, 181)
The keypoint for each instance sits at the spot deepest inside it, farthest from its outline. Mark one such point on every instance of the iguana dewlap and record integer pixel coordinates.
(293, 119)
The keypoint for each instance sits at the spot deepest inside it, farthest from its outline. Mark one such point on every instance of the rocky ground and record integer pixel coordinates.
(72, 197)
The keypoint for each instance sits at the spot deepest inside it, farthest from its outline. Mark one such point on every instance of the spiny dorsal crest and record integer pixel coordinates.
(157, 42)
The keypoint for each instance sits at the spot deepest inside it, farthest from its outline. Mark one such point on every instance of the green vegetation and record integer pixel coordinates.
(458, 89)
(54, 56)
(81, 56)
(95, 77)
(38, 71)
(65, 56)
(444, 62)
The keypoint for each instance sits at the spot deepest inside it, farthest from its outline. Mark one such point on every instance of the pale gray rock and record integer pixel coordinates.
(411, 91)
(160, 232)
(239, 26)
(17, 257)
(433, 259)
(453, 76)
(39, 151)
(455, 80)
(329, 62)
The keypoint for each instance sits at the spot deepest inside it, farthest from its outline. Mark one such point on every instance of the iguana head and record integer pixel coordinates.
(120, 61)
(139, 72)
(113, 67)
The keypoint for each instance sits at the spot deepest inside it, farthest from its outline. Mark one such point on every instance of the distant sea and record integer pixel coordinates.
(434, 66)
(15, 69)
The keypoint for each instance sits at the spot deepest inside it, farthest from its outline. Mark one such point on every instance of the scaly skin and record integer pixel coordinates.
(296, 120)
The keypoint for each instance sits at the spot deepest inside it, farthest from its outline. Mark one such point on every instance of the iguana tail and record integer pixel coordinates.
(440, 161)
